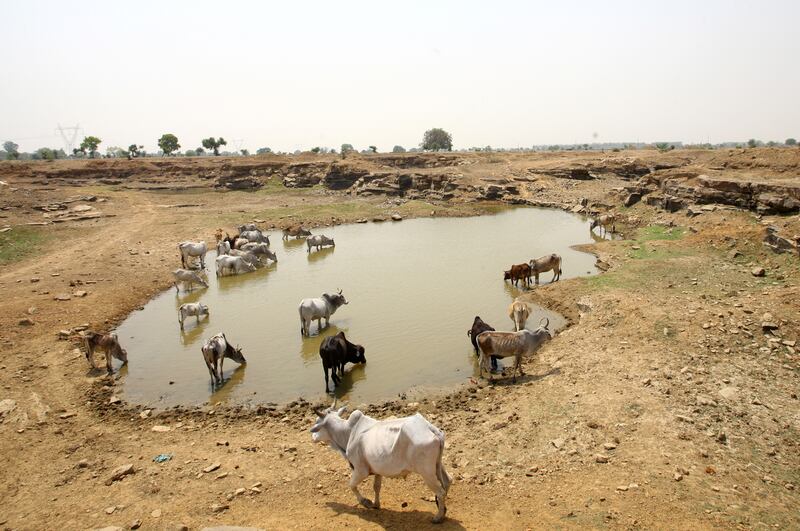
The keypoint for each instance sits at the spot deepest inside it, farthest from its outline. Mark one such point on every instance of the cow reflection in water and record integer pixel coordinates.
(321, 254)
(227, 390)
(189, 337)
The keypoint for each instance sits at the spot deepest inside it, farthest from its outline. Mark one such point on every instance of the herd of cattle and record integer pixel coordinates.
(389, 448)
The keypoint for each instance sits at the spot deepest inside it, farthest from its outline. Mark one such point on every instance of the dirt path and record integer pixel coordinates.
(665, 405)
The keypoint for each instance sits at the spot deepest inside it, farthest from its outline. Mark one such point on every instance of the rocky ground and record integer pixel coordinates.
(671, 401)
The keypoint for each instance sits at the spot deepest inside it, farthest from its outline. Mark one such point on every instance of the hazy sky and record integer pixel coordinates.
(292, 75)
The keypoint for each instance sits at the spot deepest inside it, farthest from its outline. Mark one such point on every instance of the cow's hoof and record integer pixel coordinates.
(367, 503)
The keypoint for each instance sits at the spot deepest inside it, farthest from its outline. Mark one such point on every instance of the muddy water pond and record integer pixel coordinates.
(413, 288)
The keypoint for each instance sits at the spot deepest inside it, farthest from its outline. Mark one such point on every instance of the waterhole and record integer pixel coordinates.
(414, 288)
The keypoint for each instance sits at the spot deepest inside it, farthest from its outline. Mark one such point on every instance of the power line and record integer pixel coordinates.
(69, 140)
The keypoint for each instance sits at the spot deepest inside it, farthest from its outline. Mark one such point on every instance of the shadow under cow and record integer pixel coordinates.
(386, 518)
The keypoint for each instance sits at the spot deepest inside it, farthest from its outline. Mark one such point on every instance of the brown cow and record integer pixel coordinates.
(550, 262)
(518, 272)
(106, 342)
(295, 231)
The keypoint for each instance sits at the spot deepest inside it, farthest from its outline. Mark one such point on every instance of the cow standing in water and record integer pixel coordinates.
(551, 262)
(335, 352)
(318, 309)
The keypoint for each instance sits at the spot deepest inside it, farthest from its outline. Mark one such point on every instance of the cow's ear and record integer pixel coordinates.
(341, 410)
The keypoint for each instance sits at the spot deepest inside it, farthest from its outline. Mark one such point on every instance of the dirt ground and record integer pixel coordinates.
(671, 401)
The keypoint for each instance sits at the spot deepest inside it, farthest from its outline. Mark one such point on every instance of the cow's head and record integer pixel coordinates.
(203, 309)
(320, 431)
(358, 352)
(507, 275)
(338, 299)
(594, 224)
(235, 354)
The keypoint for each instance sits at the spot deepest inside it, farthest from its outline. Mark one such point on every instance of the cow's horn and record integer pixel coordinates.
(546, 322)
(319, 411)
(340, 292)
(333, 406)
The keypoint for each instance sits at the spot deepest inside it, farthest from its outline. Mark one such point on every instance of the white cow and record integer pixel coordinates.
(247, 256)
(215, 350)
(247, 226)
(319, 241)
(193, 249)
(318, 309)
(255, 236)
(223, 247)
(260, 249)
(518, 312)
(512, 344)
(391, 448)
(188, 277)
(191, 308)
(236, 264)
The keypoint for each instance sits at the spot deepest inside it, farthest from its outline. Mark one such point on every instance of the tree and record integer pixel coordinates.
(791, 142)
(374, 149)
(214, 144)
(11, 149)
(662, 147)
(315, 149)
(90, 144)
(135, 151)
(398, 149)
(752, 143)
(346, 148)
(263, 151)
(772, 143)
(437, 139)
(244, 152)
(168, 143)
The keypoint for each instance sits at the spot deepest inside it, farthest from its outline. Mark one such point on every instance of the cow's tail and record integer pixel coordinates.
(441, 473)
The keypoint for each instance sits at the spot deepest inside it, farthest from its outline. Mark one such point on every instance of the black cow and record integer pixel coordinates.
(478, 326)
(335, 351)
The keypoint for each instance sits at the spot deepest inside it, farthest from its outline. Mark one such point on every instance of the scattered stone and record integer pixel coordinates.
(114, 400)
(728, 393)
(27, 321)
(622, 488)
(110, 510)
(120, 472)
(160, 429)
(65, 416)
(212, 467)
(35, 279)
(557, 443)
(239, 491)
(769, 325)
(83, 463)
(79, 293)
(221, 475)
(397, 217)
(789, 486)
(733, 253)
(601, 458)
(219, 507)
(62, 297)
(156, 513)
(136, 524)
(678, 476)
(758, 272)
(609, 446)
(721, 437)
(145, 414)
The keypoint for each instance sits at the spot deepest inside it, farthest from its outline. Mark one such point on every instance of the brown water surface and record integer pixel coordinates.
(414, 288)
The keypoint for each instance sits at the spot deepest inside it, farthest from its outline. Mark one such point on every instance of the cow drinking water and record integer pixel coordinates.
(107, 343)
(478, 326)
(335, 352)
(215, 350)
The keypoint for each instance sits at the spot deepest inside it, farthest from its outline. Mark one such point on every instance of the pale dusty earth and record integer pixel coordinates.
(665, 404)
